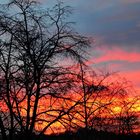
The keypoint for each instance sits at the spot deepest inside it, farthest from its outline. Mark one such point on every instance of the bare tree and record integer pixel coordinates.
(127, 117)
(34, 43)
(39, 85)
(98, 97)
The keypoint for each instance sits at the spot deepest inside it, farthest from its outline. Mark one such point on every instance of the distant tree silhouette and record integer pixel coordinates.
(98, 98)
(122, 116)
(127, 118)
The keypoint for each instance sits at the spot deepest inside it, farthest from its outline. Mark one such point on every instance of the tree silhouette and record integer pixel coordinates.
(44, 81)
(127, 118)
(33, 44)
(99, 98)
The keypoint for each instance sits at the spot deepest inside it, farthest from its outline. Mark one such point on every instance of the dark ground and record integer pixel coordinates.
(92, 135)
(82, 134)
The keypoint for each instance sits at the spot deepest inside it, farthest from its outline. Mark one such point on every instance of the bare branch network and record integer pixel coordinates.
(44, 82)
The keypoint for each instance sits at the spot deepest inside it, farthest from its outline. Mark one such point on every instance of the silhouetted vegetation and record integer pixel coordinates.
(46, 86)
(91, 134)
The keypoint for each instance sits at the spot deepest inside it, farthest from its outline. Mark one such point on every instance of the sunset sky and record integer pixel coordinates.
(115, 27)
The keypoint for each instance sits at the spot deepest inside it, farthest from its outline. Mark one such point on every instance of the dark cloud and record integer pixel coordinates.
(113, 22)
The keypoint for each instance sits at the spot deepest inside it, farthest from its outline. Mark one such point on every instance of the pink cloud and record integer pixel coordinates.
(115, 53)
(133, 76)
(118, 55)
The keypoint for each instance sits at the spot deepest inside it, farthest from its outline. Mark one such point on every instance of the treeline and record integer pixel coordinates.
(91, 134)
(83, 134)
